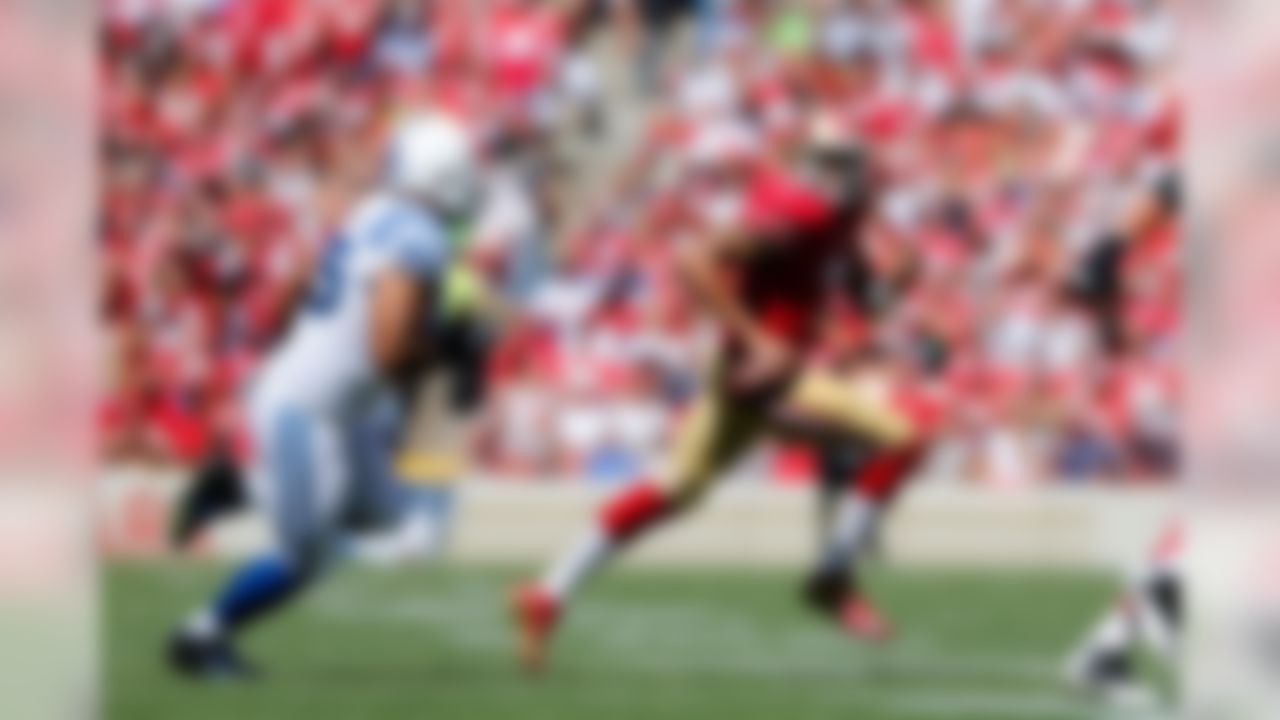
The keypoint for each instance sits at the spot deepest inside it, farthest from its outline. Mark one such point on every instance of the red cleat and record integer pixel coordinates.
(534, 612)
(862, 620)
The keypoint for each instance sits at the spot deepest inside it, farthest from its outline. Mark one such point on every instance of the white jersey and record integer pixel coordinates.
(325, 364)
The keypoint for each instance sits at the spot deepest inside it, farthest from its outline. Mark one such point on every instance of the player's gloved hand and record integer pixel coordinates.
(768, 362)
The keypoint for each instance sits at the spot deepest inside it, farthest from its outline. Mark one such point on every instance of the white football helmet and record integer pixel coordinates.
(435, 159)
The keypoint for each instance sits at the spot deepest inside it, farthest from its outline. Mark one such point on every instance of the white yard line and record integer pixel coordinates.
(467, 616)
(745, 650)
(995, 704)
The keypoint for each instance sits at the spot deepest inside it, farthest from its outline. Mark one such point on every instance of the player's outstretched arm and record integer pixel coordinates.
(702, 265)
(397, 308)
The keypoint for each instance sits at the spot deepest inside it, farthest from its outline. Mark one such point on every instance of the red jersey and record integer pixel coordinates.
(803, 237)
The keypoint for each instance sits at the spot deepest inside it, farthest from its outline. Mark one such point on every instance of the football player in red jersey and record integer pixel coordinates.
(767, 277)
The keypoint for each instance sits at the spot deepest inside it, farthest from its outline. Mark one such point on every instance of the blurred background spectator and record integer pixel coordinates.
(1025, 144)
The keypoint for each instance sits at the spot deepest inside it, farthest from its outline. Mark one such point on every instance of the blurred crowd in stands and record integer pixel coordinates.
(1027, 150)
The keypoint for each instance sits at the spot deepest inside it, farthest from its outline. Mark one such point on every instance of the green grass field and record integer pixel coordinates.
(434, 643)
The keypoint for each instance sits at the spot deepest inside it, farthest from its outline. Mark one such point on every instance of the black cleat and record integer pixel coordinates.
(215, 490)
(836, 595)
(208, 660)
(1110, 676)
(826, 592)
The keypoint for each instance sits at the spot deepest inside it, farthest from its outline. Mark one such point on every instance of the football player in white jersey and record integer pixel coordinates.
(460, 332)
(1147, 618)
(318, 472)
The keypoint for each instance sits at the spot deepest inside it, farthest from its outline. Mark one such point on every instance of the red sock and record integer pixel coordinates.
(633, 510)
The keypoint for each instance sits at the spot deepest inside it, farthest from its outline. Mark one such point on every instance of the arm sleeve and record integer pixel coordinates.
(778, 206)
(410, 244)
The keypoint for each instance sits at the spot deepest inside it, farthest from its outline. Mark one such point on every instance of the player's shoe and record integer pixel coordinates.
(834, 596)
(862, 620)
(213, 660)
(535, 614)
(216, 490)
(1109, 678)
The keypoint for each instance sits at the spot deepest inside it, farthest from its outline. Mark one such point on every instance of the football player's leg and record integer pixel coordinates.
(1148, 616)
(215, 489)
(842, 412)
(297, 482)
(712, 436)
(415, 531)
(858, 412)
(1162, 590)
(397, 517)
(837, 466)
(859, 406)
(848, 525)
(1145, 617)
(858, 511)
(1106, 658)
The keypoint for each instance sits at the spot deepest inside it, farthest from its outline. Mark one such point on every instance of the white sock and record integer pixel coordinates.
(202, 625)
(1114, 633)
(564, 577)
(852, 525)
